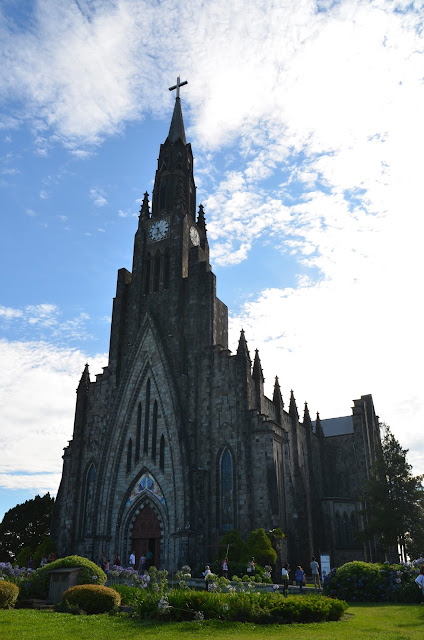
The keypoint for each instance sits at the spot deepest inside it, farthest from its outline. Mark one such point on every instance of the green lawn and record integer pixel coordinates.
(370, 622)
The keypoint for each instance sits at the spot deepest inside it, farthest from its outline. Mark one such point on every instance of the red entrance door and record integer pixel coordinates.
(146, 536)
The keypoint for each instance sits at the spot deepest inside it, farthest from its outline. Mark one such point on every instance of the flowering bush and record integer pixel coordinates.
(14, 573)
(372, 582)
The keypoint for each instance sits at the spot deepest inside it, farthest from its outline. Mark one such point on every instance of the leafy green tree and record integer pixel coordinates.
(259, 545)
(392, 497)
(235, 545)
(25, 526)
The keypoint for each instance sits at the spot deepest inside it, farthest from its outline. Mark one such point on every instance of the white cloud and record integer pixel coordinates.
(38, 483)
(48, 320)
(9, 313)
(98, 197)
(34, 431)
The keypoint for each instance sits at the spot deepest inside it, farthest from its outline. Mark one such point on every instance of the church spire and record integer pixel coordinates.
(144, 209)
(243, 350)
(257, 373)
(176, 130)
(277, 398)
(85, 379)
(307, 422)
(318, 427)
(293, 408)
(201, 222)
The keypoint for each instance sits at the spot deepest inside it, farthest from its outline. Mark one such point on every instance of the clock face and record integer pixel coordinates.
(158, 230)
(194, 236)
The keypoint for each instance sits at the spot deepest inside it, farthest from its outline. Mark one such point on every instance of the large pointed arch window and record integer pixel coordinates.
(227, 491)
(156, 271)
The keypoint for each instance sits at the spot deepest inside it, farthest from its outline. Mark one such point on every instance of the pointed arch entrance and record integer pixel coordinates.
(146, 535)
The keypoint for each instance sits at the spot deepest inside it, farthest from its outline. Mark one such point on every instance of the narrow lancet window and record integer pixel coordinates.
(162, 453)
(162, 195)
(147, 418)
(89, 499)
(146, 275)
(138, 434)
(156, 272)
(129, 456)
(166, 268)
(227, 491)
(154, 429)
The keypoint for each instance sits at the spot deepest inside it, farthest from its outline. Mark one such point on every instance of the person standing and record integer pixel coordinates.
(285, 579)
(251, 567)
(420, 580)
(315, 572)
(206, 573)
(132, 560)
(225, 567)
(300, 577)
(142, 564)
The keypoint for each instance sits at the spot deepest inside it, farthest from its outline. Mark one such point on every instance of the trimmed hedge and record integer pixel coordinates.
(8, 594)
(92, 598)
(89, 573)
(260, 608)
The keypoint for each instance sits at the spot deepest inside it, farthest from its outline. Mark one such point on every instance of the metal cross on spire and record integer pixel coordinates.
(177, 86)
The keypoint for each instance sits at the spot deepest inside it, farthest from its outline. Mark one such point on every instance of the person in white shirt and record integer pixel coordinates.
(420, 580)
(132, 560)
(206, 572)
(285, 579)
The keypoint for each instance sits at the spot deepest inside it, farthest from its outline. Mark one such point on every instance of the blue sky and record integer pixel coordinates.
(305, 120)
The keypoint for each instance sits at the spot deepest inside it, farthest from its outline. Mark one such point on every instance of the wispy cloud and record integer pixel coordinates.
(98, 197)
(48, 320)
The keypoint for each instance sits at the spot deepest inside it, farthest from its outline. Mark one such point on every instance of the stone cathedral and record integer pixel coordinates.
(175, 443)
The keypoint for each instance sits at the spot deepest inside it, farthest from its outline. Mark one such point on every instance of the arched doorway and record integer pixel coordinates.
(146, 536)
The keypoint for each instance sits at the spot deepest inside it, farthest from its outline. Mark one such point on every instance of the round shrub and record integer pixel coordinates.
(89, 573)
(92, 598)
(8, 594)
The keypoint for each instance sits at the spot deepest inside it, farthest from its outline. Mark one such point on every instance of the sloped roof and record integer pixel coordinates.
(336, 426)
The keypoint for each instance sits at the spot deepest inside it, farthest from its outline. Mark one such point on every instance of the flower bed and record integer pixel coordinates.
(267, 608)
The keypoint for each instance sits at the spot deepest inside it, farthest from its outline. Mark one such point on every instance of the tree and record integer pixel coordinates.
(392, 497)
(259, 545)
(25, 526)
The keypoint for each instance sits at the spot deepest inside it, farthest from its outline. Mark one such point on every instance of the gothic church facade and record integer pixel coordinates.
(175, 443)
